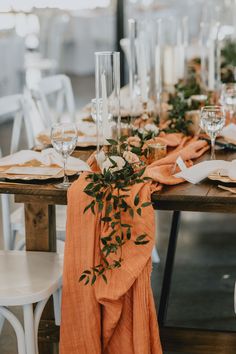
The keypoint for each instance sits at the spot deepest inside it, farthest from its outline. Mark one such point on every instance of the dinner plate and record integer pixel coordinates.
(32, 175)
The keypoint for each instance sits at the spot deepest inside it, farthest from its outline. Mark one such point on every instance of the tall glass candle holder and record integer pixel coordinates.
(107, 87)
(132, 33)
(158, 60)
(210, 56)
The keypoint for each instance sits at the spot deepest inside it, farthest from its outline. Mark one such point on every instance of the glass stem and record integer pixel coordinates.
(213, 148)
(65, 179)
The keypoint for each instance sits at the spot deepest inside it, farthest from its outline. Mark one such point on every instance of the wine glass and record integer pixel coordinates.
(212, 120)
(64, 139)
(228, 98)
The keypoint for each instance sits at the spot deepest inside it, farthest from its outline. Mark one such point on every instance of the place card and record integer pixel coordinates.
(37, 171)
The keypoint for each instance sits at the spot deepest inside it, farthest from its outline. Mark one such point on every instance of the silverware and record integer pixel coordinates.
(227, 146)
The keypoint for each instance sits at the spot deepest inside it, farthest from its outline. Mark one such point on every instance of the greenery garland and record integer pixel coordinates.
(109, 191)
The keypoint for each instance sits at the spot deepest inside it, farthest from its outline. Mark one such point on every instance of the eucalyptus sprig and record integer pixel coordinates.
(109, 191)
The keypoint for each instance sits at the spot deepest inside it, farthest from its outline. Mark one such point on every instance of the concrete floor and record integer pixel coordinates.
(205, 267)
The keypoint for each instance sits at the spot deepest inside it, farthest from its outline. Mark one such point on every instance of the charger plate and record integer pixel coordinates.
(216, 176)
(30, 177)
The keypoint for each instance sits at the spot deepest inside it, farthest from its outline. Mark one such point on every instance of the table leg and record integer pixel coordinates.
(40, 229)
(169, 265)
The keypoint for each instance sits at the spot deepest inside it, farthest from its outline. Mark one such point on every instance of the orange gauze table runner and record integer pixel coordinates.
(118, 317)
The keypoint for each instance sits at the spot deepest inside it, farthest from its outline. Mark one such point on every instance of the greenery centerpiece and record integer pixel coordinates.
(110, 190)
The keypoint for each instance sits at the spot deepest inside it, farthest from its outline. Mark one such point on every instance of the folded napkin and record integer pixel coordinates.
(47, 157)
(229, 133)
(202, 170)
(187, 148)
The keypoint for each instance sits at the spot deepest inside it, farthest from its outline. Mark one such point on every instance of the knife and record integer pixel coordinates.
(227, 146)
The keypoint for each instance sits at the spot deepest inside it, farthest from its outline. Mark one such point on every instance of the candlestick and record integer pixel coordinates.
(105, 122)
(143, 70)
(211, 65)
(107, 83)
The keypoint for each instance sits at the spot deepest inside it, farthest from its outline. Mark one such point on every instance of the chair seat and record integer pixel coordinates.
(28, 277)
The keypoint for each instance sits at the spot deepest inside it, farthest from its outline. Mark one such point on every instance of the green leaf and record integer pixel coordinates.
(104, 241)
(139, 211)
(93, 279)
(89, 186)
(125, 225)
(141, 172)
(118, 239)
(109, 196)
(141, 242)
(100, 206)
(128, 234)
(131, 213)
(104, 278)
(141, 237)
(87, 272)
(101, 271)
(108, 209)
(106, 219)
(88, 206)
(146, 204)
(112, 142)
(82, 277)
(117, 215)
(136, 200)
(87, 281)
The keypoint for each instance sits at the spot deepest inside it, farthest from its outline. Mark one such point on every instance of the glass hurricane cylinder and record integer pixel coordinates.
(107, 87)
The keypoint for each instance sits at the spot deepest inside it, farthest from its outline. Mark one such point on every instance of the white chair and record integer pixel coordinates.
(21, 109)
(24, 281)
(11, 107)
(59, 86)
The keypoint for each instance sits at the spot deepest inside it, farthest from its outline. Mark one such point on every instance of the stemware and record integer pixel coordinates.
(64, 139)
(212, 120)
(228, 98)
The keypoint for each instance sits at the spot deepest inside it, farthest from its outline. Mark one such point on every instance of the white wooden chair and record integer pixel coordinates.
(11, 106)
(21, 109)
(24, 281)
(59, 86)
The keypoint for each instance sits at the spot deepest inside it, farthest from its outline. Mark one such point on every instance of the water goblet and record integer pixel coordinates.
(212, 120)
(64, 139)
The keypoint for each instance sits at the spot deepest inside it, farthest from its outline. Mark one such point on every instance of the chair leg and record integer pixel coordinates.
(8, 315)
(37, 315)
(2, 320)
(57, 306)
(30, 340)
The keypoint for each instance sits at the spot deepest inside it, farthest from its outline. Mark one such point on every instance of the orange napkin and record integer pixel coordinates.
(120, 317)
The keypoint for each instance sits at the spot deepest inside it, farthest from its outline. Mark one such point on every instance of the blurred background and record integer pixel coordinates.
(44, 37)
(39, 38)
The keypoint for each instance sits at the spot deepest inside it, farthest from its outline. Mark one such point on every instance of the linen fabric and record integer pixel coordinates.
(118, 317)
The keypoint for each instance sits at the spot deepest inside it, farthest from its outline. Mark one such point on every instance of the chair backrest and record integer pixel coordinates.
(12, 107)
(59, 86)
(6, 221)
(34, 122)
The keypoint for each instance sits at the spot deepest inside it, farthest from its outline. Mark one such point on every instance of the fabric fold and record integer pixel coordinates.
(118, 317)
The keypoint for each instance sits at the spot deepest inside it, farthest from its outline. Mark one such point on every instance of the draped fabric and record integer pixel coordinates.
(118, 317)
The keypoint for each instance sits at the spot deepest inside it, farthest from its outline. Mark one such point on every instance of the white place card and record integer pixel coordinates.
(37, 171)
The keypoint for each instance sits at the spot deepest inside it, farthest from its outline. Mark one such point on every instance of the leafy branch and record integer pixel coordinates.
(110, 192)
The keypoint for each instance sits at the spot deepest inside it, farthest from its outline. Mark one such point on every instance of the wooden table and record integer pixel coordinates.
(40, 201)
